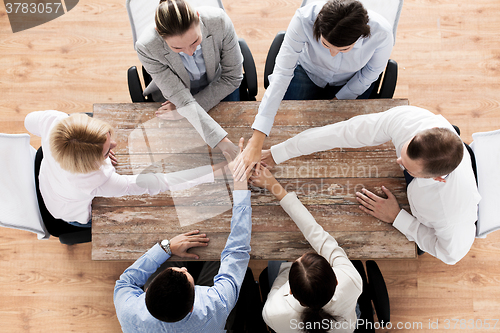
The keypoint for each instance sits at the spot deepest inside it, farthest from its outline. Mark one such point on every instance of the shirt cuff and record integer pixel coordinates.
(279, 153)
(241, 198)
(403, 222)
(158, 254)
(263, 124)
(345, 93)
(289, 200)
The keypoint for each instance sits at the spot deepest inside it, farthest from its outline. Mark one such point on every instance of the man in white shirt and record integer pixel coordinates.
(443, 197)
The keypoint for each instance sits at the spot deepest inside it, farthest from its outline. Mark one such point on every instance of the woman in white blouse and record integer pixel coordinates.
(78, 166)
(321, 287)
(332, 50)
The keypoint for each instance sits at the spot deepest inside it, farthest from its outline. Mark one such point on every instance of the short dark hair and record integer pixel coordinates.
(170, 296)
(174, 17)
(440, 149)
(313, 283)
(341, 22)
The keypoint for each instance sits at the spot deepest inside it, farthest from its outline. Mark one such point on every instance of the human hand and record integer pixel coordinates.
(239, 184)
(112, 157)
(385, 210)
(228, 148)
(263, 179)
(266, 180)
(168, 111)
(267, 158)
(183, 242)
(250, 157)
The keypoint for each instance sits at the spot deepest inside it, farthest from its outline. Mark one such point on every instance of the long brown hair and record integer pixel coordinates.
(313, 283)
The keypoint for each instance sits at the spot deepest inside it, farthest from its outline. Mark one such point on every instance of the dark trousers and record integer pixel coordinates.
(302, 88)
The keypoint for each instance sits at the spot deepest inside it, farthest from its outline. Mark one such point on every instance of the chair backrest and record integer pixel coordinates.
(389, 9)
(486, 147)
(141, 13)
(18, 201)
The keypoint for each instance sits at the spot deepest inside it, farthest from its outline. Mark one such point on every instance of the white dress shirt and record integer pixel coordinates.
(68, 196)
(356, 69)
(282, 312)
(443, 216)
(197, 71)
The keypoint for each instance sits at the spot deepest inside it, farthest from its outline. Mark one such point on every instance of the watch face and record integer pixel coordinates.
(165, 242)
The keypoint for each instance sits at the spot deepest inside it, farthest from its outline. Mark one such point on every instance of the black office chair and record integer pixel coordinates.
(141, 15)
(374, 290)
(248, 87)
(385, 84)
(67, 233)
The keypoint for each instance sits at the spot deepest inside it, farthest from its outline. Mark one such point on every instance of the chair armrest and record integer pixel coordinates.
(390, 79)
(378, 291)
(249, 68)
(134, 85)
(78, 237)
(271, 56)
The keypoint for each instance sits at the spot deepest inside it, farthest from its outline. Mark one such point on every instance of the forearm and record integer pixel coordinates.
(447, 244)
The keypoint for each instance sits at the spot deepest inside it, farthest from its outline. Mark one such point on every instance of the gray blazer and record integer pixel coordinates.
(223, 60)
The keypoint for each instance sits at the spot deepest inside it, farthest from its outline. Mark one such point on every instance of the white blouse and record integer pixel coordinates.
(68, 196)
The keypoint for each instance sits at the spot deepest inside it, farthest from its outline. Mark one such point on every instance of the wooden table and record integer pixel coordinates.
(124, 228)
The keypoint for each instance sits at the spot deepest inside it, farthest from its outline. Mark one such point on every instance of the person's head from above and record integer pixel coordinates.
(170, 296)
(81, 144)
(339, 24)
(432, 153)
(312, 283)
(179, 25)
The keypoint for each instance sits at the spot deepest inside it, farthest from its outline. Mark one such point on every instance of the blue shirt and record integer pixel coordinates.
(356, 69)
(197, 71)
(212, 305)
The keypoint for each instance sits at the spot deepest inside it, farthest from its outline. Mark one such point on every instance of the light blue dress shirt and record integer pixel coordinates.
(356, 69)
(212, 305)
(197, 71)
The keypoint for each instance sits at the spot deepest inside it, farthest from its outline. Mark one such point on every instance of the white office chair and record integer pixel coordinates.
(21, 205)
(391, 11)
(141, 14)
(18, 202)
(486, 147)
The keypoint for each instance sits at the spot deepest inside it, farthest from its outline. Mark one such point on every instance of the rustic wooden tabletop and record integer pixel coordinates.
(124, 228)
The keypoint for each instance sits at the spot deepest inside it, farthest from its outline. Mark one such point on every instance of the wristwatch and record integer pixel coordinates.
(165, 244)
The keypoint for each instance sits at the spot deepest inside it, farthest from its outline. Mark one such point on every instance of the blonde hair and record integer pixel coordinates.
(174, 17)
(77, 143)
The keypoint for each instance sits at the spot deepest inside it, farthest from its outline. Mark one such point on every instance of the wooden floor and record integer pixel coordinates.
(448, 53)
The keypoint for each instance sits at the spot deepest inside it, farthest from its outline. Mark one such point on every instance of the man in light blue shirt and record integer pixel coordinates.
(210, 306)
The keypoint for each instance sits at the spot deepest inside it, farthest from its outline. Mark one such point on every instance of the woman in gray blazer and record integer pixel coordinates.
(195, 60)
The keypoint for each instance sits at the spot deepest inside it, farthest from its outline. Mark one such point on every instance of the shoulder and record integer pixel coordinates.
(149, 38)
(212, 15)
(379, 25)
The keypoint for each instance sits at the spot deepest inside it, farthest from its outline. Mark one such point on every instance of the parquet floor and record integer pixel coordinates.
(448, 53)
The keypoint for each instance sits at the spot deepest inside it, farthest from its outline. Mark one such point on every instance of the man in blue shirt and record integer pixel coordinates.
(177, 303)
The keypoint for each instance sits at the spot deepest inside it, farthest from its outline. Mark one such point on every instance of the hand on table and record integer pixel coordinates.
(183, 242)
(168, 111)
(385, 210)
